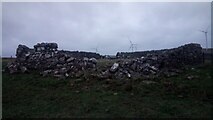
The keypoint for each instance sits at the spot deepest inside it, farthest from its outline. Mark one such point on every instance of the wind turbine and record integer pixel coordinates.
(132, 45)
(205, 32)
(96, 49)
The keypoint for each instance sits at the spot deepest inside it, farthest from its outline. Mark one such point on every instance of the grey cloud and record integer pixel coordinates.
(83, 26)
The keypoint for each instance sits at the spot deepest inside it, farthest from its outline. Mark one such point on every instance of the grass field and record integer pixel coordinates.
(33, 96)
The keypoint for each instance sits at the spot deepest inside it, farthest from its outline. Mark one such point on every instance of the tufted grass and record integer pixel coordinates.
(32, 96)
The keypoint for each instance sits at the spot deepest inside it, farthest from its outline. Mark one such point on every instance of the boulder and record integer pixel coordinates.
(93, 60)
(114, 68)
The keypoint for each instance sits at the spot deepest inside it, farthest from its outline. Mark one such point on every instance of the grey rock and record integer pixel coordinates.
(45, 47)
(114, 67)
(13, 68)
(59, 76)
(93, 60)
(86, 59)
(128, 75)
(23, 69)
(66, 75)
(56, 72)
(63, 70)
(70, 59)
(47, 55)
(62, 59)
(46, 72)
(153, 68)
(148, 82)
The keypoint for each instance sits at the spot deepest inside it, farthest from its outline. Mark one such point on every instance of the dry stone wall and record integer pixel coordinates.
(166, 62)
(52, 62)
(49, 61)
(189, 54)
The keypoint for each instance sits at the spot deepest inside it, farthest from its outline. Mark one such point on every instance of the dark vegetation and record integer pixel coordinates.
(81, 54)
(187, 95)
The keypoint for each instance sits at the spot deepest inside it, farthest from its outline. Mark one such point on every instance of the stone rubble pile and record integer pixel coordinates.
(165, 62)
(49, 61)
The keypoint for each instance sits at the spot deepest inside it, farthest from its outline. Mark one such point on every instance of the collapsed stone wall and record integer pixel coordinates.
(50, 61)
(188, 54)
(63, 64)
(162, 62)
(45, 47)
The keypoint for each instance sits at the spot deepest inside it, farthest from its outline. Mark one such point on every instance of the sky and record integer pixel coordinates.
(109, 27)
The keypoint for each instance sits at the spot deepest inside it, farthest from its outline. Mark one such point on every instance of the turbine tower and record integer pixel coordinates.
(96, 49)
(205, 32)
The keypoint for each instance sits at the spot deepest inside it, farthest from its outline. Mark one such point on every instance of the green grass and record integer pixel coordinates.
(33, 96)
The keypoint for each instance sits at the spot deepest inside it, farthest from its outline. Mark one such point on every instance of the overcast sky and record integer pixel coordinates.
(107, 26)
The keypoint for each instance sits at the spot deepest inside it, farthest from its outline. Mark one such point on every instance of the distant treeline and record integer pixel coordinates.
(138, 54)
(81, 54)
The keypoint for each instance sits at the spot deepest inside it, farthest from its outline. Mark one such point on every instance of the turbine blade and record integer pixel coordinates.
(129, 40)
(202, 31)
(207, 28)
